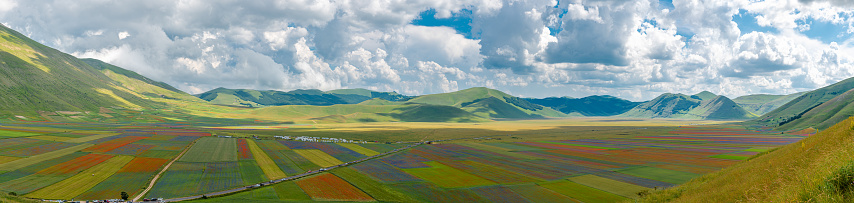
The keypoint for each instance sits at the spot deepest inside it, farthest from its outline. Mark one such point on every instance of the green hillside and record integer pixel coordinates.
(138, 83)
(342, 113)
(258, 98)
(718, 108)
(799, 106)
(760, 104)
(588, 106)
(825, 115)
(704, 95)
(477, 100)
(34, 77)
(689, 107)
(819, 168)
(666, 105)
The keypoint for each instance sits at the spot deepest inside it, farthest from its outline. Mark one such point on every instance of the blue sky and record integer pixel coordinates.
(532, 48)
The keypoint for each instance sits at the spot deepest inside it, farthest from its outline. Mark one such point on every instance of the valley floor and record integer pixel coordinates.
(560, 160)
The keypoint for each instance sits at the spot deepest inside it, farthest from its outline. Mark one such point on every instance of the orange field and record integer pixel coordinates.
(76, 165)
(320, 188)
(143, 164)
(113, 144)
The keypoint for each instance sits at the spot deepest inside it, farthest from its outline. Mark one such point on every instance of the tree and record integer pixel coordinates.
(125, 196)
(13, 194)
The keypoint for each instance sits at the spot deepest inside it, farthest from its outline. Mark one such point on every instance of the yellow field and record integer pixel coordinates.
(7, 159)
(526, 130)
(359, 149)
(90, 138)
(52, 138)
(20, 163)
(83, 181)
(267, 165)
(318, 157)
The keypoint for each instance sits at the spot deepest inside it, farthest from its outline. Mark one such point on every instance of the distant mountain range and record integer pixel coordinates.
(597, 105)
(261, 98)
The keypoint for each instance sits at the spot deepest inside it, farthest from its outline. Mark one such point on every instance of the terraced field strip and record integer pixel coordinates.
(318, 157)
(271, 170)
(6, 159)
(581, 192)
(447, 177)
(609, 185)
(212, 149)
(577, 145)
(535, 193)
(319, 187)
(359, 149)
(666, 175)
(9, 133)
(83, 181)
(21, 163)
(375, 189)
(91, 137)
(51, 138)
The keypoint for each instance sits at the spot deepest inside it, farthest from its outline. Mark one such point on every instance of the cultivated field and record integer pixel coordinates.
(539, 161)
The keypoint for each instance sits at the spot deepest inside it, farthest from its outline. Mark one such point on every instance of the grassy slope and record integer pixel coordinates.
(689, 107)
(34, 77)
(792, 173)
(367, 113)
(704, 95)
(664, 106)
(467, 96)
(256, 98)
(760, 104)
(804, 102)
(718, 108)
(138, 83)
(825, 115)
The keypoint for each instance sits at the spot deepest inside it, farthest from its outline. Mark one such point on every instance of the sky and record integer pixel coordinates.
(531, 48)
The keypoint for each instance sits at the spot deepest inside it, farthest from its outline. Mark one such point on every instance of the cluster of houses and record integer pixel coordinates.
(319, 139)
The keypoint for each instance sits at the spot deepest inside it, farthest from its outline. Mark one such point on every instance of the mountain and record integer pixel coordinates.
(798, 107)
(588, 106)
(818, 168)
(704, 95)
(36, 78)
(824, 115)
(258, 98)
(348, 113)
(718, 108)
(761, 104)
(489, 103)
(683, 106)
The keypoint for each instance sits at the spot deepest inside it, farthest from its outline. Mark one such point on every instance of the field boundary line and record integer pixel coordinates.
(156, 177)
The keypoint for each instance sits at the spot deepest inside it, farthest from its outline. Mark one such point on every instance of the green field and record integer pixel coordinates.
(448, 177)
(581, 192)
(212, 150)
(540, 161)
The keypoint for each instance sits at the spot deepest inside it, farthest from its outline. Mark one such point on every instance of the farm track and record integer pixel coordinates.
(154, 180)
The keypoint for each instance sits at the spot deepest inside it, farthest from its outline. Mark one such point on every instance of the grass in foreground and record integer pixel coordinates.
(806, 171)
